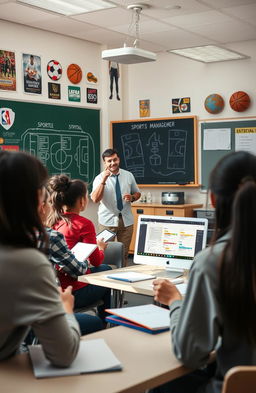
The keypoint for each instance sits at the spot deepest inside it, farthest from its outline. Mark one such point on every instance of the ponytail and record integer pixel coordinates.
(64, 192)
(237, 285)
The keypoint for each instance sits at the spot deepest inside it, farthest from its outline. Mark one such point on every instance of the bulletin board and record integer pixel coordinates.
(209, 158)
(66, 139)
(159, 152)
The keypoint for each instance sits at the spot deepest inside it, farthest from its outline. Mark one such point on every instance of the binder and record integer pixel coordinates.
(124, 322)
(148, 317)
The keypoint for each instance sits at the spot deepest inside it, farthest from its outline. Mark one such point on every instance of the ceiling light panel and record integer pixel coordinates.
(66, 7)
(209, 54)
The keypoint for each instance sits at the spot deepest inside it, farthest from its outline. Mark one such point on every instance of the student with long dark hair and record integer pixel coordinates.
(27, 279)
(69, 198)
(218, 312)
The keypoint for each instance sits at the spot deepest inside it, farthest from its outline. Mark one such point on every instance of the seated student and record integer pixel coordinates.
(69, 198)
(27, 279)
(59, 254)
(219, 309)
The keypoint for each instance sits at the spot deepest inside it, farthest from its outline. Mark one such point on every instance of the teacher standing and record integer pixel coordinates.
(115, 189)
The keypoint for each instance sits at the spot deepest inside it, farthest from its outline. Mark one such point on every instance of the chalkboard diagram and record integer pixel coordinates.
(62, 151)
(177, 140)
(158, 151)
(154, 143)
(133, 154)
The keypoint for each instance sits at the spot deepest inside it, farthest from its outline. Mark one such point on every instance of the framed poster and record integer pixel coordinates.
(7, 70)
(32, 76)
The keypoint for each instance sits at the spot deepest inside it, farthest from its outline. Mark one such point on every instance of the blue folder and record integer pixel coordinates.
(124, 322)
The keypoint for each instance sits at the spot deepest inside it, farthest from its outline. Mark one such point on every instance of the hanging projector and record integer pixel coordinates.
(130, 54)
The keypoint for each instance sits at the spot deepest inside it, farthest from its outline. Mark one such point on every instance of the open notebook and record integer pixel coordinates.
(83, 250)
(147, 317)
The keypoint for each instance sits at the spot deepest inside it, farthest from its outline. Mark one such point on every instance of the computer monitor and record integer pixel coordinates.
(167, 241)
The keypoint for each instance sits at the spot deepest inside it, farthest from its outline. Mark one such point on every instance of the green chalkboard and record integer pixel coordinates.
(159, 152)
(66, 139)
(209, 158)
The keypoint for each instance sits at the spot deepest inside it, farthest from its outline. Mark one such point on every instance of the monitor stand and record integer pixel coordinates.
(169, 274)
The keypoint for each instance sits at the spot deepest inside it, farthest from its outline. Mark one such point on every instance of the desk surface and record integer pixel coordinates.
(139, 287)
(147, 362)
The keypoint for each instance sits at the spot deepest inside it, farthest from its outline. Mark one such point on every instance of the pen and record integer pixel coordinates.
(176, 281)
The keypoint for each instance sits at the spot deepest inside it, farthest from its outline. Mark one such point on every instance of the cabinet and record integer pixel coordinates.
(157, 209)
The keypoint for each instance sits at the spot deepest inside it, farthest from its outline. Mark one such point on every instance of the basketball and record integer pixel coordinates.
(239, 101)
(74, 73)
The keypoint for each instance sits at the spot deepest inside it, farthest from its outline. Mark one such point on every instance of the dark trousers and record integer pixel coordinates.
(90, 294)
(113, 76)
(190, 383)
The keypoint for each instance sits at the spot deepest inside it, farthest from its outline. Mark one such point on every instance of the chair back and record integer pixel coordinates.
(114, 255)
(240, 379)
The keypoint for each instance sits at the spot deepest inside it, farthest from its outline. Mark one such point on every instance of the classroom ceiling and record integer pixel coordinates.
(164, 25)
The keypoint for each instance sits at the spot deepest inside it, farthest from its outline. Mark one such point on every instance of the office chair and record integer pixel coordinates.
(114, 257)
(240, 379)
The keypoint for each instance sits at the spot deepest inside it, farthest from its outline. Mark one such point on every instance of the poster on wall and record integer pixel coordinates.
(7, 70)
(92, 96)
(74, 93)
(54, 91)
(144, 108)
(181, 105)
(32, 76)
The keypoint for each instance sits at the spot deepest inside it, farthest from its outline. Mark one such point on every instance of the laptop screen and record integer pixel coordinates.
(169, 241)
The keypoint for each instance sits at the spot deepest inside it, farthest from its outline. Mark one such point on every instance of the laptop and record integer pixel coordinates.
(170, 242)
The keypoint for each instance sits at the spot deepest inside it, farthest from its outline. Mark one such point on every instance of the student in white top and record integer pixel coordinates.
(218, 312)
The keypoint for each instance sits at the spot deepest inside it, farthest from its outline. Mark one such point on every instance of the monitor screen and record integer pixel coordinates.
(169, 241)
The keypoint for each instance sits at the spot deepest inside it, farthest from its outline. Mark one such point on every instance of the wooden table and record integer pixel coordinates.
(139, 287)
(147, 362)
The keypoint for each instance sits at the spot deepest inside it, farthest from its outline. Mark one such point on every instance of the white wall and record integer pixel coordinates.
(67, 50)
(172, 76)
(169, 77)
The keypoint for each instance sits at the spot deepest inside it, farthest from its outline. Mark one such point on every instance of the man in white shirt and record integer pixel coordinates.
(115, 189)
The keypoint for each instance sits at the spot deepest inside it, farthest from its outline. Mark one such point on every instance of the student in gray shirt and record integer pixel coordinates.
(27, 280)
(218, 312)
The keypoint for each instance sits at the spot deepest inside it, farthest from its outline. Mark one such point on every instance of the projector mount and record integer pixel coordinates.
(137, 8)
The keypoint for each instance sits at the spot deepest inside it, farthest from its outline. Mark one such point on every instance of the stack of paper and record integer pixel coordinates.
(148, 318)
(93, 356)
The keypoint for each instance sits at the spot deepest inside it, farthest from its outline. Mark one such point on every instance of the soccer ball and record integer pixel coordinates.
(54, 70)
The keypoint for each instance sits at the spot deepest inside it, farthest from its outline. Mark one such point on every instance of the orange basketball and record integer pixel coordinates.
(239, 101)
(74, 73)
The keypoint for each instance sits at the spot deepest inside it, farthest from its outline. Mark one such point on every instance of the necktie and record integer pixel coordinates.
(119, 200)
